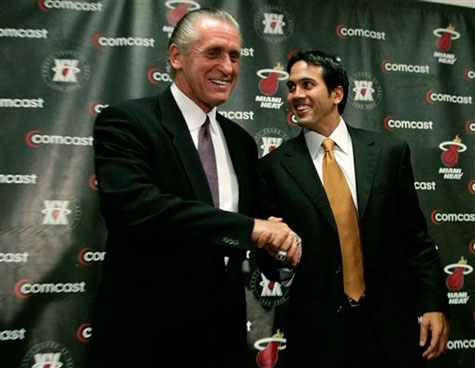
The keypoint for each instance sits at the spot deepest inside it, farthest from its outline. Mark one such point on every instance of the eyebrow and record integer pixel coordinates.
(221, 47)
(306, 79)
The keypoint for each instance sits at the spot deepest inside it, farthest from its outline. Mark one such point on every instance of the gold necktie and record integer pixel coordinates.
(344, 212)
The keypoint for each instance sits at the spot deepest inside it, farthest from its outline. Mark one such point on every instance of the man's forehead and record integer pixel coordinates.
(213, 39)
(303, 70)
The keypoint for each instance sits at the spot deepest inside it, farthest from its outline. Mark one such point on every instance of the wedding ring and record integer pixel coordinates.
(298, 240)
(281, 255)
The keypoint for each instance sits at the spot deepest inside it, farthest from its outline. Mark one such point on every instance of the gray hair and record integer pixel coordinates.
(185, 32)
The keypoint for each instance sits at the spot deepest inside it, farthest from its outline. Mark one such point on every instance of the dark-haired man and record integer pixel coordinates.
(176, 193)
(368, 268)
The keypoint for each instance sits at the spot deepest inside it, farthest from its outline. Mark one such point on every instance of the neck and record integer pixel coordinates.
(327, 126)
(184, 87)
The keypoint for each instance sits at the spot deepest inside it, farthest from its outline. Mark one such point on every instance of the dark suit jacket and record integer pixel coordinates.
(165, 293)
(402, 269)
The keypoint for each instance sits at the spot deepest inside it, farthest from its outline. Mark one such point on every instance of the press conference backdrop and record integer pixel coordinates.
(412, 70)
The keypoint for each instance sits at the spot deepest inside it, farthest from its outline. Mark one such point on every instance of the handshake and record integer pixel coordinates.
(278, 240)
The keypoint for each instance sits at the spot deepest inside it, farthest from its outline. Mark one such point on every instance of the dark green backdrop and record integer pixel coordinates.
(412, 71)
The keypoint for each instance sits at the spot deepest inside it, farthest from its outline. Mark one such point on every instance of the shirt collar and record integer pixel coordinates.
(340, 136)
(194, 116)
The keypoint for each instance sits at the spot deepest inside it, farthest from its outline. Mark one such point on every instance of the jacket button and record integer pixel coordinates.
(339, 309)
(338, 270)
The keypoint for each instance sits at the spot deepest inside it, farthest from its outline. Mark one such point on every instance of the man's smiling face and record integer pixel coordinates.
(208, 72)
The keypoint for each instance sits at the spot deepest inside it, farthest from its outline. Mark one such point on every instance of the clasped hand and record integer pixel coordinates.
(278, 240)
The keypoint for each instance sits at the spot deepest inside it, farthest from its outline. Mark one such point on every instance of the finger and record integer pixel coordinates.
(286, 241)
(428, 353)
(263, 239)
(433, 350)
(289, 247)
(423, 333)
(279, 226)
(442, 342)
(282, 243)
(278, 241)
(298, 256)
(298, 242)
(274, 219)
(295, 247)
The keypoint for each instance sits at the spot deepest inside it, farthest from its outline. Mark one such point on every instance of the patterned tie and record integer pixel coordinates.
(344, 212)
(208, 160)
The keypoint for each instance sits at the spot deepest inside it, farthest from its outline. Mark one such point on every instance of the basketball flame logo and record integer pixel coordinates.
(444, 42)
(268, 356)
(174, 15)
(451, 155)
(269, 85)
(455, 280)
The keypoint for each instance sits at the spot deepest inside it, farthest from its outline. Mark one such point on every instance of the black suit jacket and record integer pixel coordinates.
(165, 289)
(402, 270)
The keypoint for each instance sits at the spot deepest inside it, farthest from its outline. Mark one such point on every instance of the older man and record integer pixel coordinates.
(176, 191)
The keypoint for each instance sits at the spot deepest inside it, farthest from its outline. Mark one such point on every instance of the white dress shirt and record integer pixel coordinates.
(195, 117)
(343, 153)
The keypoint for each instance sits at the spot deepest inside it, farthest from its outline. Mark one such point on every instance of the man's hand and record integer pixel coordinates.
(437, 324)
(275, 236)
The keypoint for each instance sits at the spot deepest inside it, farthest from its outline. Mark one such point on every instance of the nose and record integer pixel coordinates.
(226, 64)
(298, 92)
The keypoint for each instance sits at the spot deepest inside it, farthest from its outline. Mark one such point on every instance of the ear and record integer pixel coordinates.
(338, 94)
(175, 56)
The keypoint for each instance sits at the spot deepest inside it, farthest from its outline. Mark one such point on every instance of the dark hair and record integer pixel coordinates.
(333, 72)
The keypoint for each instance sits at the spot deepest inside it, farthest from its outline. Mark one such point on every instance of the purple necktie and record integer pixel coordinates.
(208, 160)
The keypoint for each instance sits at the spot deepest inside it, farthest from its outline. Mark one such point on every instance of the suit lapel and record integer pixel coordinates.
(298, 162)
(173, 121)
(366, 154)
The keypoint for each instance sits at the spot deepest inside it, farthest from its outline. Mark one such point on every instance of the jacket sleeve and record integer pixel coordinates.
(422, 254)
(131, 199)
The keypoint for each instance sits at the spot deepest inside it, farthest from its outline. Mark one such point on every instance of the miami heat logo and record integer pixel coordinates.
(269, 83)
(269, 350)
(457, 273)
(178, 9)
(445, 37)
(182, 7)
(451, 150)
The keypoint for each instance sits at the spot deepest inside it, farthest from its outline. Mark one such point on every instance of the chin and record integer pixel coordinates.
(219, 101)
(303, 122)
